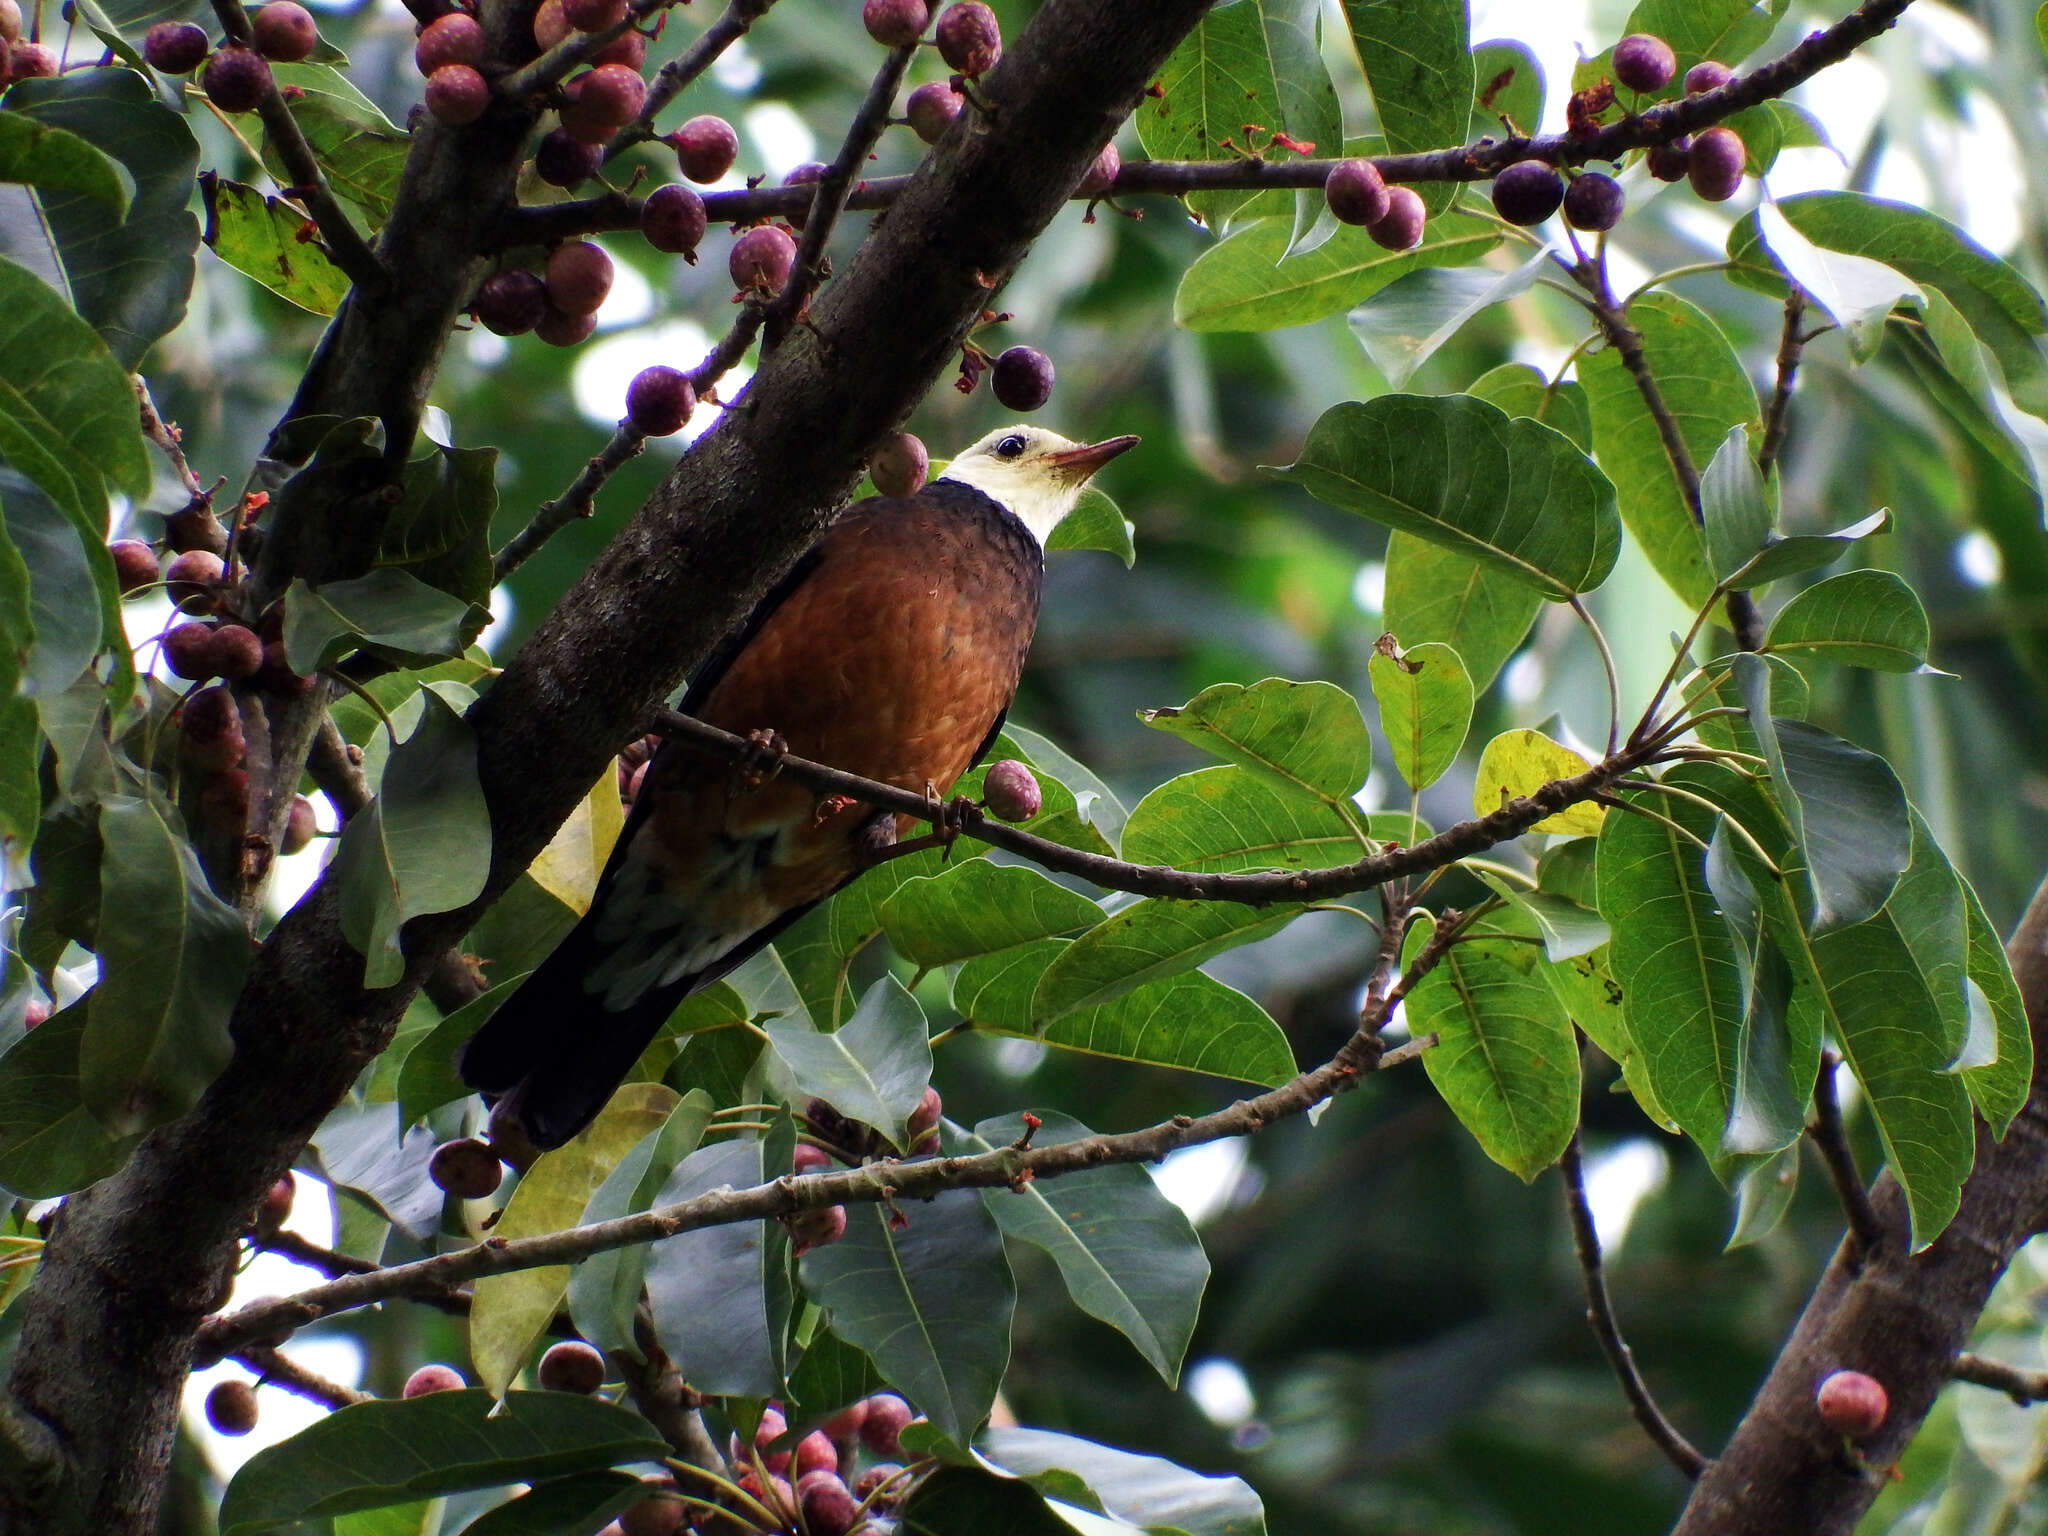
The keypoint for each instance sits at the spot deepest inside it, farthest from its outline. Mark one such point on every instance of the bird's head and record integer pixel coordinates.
(1035, 473)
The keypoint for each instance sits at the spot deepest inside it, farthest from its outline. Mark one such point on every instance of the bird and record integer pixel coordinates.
(892, 650)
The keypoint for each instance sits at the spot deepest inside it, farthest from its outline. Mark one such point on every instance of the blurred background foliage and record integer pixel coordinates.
(1393, 1339)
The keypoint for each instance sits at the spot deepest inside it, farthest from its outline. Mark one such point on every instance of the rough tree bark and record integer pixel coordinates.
(1899, 1317)
(89, 1418)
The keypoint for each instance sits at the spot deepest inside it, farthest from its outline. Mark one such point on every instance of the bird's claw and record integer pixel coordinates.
(759, 761)
(948, 817)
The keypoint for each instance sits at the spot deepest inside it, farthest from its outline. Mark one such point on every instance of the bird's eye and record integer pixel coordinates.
(1011, 446)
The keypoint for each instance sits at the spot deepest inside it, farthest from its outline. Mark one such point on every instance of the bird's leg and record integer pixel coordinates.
(758, 762)
(876, 843)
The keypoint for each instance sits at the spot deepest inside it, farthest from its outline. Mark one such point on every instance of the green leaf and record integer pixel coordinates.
(260, 237)
(172, 957)
(1859, 619)
(1845, 806)
(1674, 960)
(67, 411)
(360, 152)
(1147, 941)
(1794, 553)
(128, 276)
(391, 612)
(1763, 1194)
(440, 532)
(50, 1144)
(1505, 1059)
(1425, 702)
(1591, 997)
(874, 1068)
(604, 1288)
(977, 907)
(954, 1501)
(1999, 1089)
(58, 635)
(1417, 58)
(930, 1300)
(2005, 312)
(718, 1294)
(1095, 522)
(1434, 594)
(1145, 1491)
(1243, 64)
(45, 156)
(1463, 474)
(564, 1506)
(427, 1077)
(1128, 1255)
(1767, 1104)
(1244, 284)
(1706, 390)
(1520, 390)
(1517, 763)
(1307, 737)
(1189, 1021)
(423, 845)
(1227, 819)
(1734, 508)
(1507, 83)
(1079, 810)
(1854, 291)
(511, 1310)
(363, 1148)
(21, 748)
(1567, 928)
(392, 1450)
(1402, 326)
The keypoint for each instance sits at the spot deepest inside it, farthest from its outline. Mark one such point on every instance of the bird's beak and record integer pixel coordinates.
(1080, 463)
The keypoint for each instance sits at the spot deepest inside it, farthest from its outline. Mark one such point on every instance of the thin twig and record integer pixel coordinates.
(732, 346)
(808, 270)
(1791, 343)
(2022, 1386)
(1832, 1139)
(1600, 1314)
(575, 502)
(279, 1370)
(1006, 1167)
(575, 49)
(673, 77)
(302, 1250)
(1469, 837)
(345, 244)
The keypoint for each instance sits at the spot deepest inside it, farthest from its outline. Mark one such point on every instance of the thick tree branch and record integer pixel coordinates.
(1902, 1317)
(1607, 1328)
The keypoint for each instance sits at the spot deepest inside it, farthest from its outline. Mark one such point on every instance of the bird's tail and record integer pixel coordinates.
(553, 1053)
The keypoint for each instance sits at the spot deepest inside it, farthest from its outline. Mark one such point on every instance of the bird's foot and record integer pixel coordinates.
(759, 761)
(832, 805)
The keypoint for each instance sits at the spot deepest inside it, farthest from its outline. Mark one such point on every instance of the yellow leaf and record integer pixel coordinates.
(1520, 762)
(511, 1310)
(568, 867)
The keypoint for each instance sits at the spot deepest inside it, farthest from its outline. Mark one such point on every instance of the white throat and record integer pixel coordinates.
(1038, 500)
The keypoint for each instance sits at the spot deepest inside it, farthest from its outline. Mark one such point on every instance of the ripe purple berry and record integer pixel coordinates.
(231, 1407)
(235, 79)
(301, 826)
(1527, 192)
(237, 653)
(571, 1366)
(628, 48)
(809, 174)
(276, 674)
(452, 39)
(876, 1478)
(285, 31)
(550, 25)
(895, 23)
(1401, 229)
(188, 651)
(881, 1430)
(558, 329)
(816, 1229)
(32, 61)
(809, 1157)
(1853, 1403)
(705, 148)
(212, 727)
(276, 1206)
(930, 110)
(175, 47)
(511, 302)
(657, 1516)
(968, 37)
(761, 259)
(465, 1168)
(1011, 793)
(10, 21)
(1643, 62)
(1715, 164)
(1356, 192)
(457, 94)
(1593, 201)
(659, 400)
(673, 219)
(898, 465)
(1707, 75)
(565, 161)
(578, 277)
(134, 564)
(593, 15)
(1101, 174)
(1022, 378)
(929, 1108)
(191, 578)
(602, 101)
(1668, 162)
(828, 1508)
(432, 1378)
